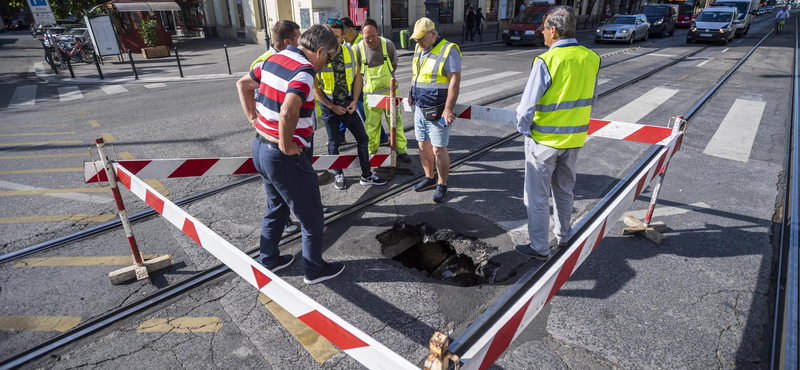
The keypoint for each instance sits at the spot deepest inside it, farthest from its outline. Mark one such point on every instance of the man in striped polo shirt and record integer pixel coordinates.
(282, 114)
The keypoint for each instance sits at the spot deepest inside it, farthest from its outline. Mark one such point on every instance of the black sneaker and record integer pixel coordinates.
(329, 271)
(525, 250)
(342, 141)
(425, 184)
(404, 157)
(441, 192)
(280, 263)
(338, 181)
(385, 143)
(290, 227)
(372, 180)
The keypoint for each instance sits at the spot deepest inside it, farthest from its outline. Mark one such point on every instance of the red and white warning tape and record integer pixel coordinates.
(495, 341)
(363, 348)
(599, 128)
(172, 168)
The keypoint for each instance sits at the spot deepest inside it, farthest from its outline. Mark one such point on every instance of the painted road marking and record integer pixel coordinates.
(521, 52)
(734, 137)
(94, 123)
(154, 183)
(35, 143)
(661, 211)
(113, 89)
(78, 261)
(209, 324)
(39, 126)
(317, 346)
(38, 134)
(107, 137)
(57, 218)
(41, 170)
(39, 323)
(68, 93)
(489, 78)
(682, 77)
(81, 112)
(601, 81)
(23, 96)
(662, 55)
(705, 62)
(726, 49)
(155, 86)
(65, 155)
(738, 41)
(489, 90)
(403, 76)
(641, 106)
(72, 194)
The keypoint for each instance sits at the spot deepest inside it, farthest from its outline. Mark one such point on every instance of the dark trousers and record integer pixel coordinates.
(353, 123)
(360, 109)
(470, 26)
(291, 184)
(477, 30)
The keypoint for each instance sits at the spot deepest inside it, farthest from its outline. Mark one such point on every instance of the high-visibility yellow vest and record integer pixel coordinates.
(262, 58)
(430, 81)
(356, 41)
(562, 113)
(328, 81)
(377, 80)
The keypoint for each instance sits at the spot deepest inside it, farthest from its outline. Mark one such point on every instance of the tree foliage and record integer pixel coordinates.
(64, 8)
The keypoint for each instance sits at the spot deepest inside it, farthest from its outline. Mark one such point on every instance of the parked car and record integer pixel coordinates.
(624, 28)
(762, 10)
(717, 24)
(525, 28)
(746, 10)
(663, 18)
(18, 24)
(75, 34)
(53, 32)
(769, 8)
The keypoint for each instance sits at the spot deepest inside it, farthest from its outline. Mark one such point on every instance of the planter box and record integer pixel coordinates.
(155, 52)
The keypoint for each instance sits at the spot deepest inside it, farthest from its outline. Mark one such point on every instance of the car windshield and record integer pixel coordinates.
(622, 20)
(654, 10)
(77, 31)
(528, 17)
(740, 6)
(714, 17)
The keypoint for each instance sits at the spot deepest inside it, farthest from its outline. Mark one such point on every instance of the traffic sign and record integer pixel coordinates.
(41, 11)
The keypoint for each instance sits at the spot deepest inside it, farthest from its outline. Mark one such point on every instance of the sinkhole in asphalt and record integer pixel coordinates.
(442, 255)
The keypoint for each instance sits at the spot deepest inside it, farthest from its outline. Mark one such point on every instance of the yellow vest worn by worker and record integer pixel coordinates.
(377, 80)
(327, 80)
(356, 41)
(562, 113)
(430, 81)
(262, 58)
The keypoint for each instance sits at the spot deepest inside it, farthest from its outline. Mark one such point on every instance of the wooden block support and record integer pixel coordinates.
(440, 356)
(140, 272)
(653, 231)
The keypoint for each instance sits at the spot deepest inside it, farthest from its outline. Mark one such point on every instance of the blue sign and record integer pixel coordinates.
(38, 2)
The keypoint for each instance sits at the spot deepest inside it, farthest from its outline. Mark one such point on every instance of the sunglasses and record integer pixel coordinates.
(337, 22)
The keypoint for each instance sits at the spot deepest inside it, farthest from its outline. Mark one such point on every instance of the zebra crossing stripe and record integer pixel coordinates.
(68, 93)
(23, 96)
(113, 89)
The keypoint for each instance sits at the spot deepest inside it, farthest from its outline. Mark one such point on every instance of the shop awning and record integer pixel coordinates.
(159, 6)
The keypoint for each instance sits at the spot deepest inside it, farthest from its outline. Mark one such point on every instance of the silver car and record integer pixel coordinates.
(623, 28)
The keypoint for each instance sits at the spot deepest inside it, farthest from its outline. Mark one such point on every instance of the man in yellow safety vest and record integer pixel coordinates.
(553, 114)
(378, 61)
(285, 33)
(337, 91)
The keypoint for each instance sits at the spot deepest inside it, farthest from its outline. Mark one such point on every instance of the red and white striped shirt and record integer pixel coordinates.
(288, 72)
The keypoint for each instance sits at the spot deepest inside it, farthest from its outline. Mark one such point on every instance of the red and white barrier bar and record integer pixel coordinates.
(173, 168)
(492, 343)
(357, 344)
(599, 128)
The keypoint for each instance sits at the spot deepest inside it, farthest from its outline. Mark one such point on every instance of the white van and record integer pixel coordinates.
(748, 9)
(716, 24)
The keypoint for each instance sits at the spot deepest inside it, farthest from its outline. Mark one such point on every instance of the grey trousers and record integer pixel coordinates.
(548, 171)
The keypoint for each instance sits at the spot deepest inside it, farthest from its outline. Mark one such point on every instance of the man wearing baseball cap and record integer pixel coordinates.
(435, 83)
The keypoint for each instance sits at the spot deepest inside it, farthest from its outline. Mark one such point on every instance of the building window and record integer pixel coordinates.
(399, 13)
(446, 12)
(240, 10)
(491, 10)
(136, 19)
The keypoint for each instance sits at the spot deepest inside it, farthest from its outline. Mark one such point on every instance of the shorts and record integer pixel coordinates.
(434, 131)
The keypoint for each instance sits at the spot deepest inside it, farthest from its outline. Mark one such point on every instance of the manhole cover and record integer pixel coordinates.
(442, 255)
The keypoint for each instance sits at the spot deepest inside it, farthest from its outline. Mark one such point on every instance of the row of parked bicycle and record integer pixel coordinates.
(70, 41)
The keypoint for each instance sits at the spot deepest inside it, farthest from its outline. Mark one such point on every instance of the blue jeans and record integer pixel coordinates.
(356, 127)
(360, 110)
(291, 184)
(437, 132)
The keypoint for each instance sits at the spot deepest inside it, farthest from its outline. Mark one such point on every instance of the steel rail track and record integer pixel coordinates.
(506, 301)
(98, 324)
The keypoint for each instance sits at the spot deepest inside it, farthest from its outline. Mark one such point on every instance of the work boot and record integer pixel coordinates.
(404, 157)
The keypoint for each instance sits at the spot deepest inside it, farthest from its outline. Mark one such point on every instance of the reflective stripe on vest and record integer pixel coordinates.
(562, 113)
(377, 80)
(327, 78)
(430, 81)
(262, 58)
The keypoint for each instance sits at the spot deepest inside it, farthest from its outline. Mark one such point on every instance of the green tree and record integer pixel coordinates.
(64, 8)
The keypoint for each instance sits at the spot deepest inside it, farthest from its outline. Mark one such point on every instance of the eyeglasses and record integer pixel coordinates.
(335, 21)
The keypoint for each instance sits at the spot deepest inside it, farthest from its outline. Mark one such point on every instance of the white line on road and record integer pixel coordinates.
(71, 196)
(662, 55)
(113, 89)
(155, 86)
(601, 81)
(489, 78)
(641, 106)
(494, 89)
(734, 137)
(407, 76)
(726, 49)
(704, 62)
(667, 211)
(738, 41)
(23, 96)
(68, 93)
(521, 52)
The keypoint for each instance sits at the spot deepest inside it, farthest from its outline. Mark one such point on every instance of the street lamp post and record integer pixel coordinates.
(264, 22)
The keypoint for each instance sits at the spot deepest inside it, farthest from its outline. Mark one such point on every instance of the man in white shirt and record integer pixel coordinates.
(780, 19)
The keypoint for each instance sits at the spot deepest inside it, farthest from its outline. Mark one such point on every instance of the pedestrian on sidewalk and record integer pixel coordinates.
(337, 93)
(283, 117)
(469, 20)
(553, 114)
(479, 18)
(435, 83)
(378, 61)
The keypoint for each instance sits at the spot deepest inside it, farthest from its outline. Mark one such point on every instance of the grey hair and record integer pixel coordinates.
(563, 19)
(319, 36)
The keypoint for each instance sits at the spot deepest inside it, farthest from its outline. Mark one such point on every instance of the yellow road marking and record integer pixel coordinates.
(41, 143)
(39, 134)
(157, 185)
(29, 126)
(54, 191)
(65, 155)
(107, 137)
(320, 348)
(181, 325)
(42, 170)
(81, 112)
(94, 123)
(78, 261)
(39, 323)
(682, 77)
(57, 218)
